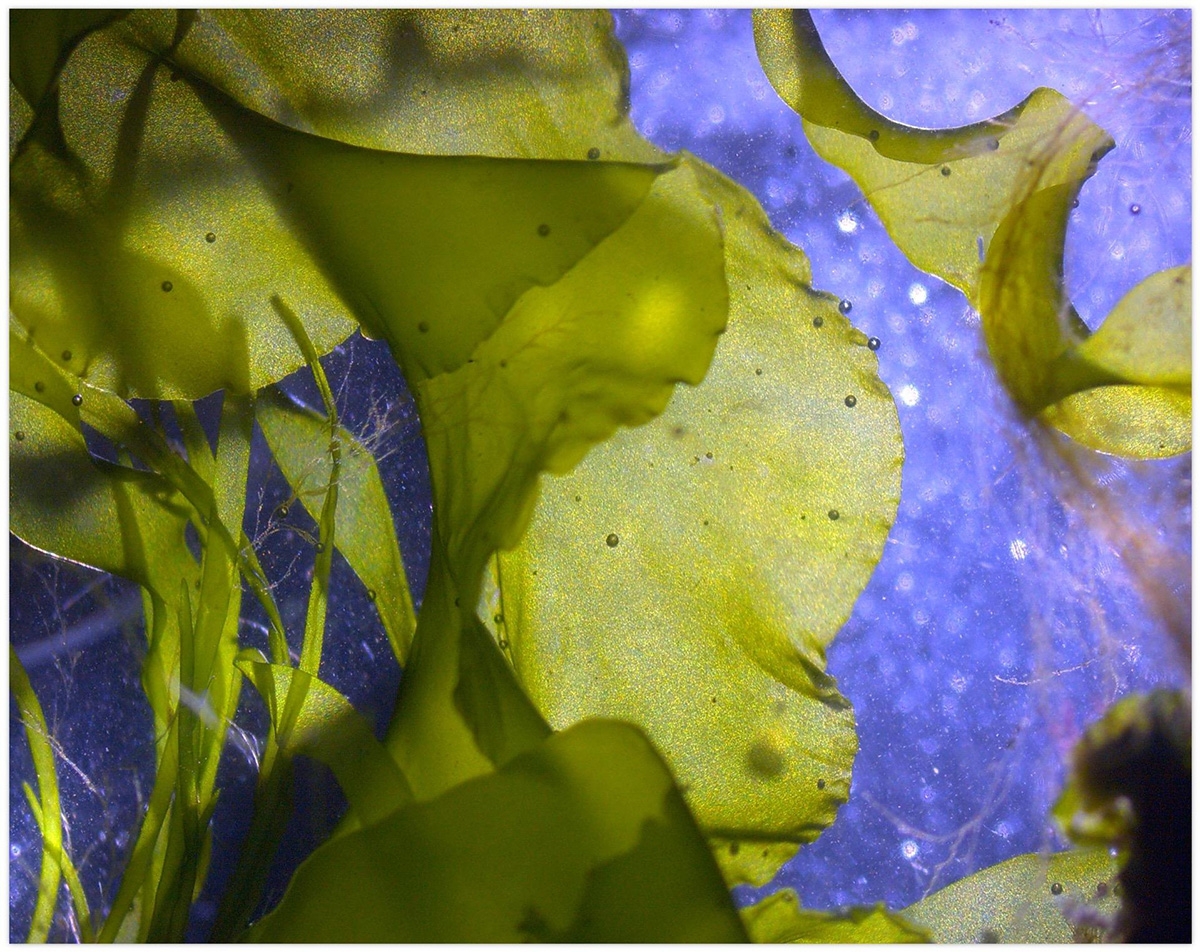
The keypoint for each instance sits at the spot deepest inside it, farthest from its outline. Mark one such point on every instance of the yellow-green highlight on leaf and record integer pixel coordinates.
(688, 575)
(779, 918)
(534, 851)
(985, 208)
(311, 717)
(1032, 898)
(366, 536)
(39, 42)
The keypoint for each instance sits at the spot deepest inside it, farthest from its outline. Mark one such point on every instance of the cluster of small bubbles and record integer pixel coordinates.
(909, 849)
(847, 222)
(543, 230)
(210, 237)
(613, 540)
(593, 153)
(77, 399)
(851, 400)
(167, 285)
(1056, 889)
(834, 514)
(818, 321)
(873, 343)
(845, 306)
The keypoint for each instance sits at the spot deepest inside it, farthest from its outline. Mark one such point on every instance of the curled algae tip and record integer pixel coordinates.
(77, 399)
(851, 400)
(167, 286)
(874, 343)
(1056, 889)
(845, 306)
(613, 540)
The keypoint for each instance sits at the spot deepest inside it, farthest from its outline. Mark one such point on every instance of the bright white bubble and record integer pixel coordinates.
(1018, 549)
(910, 849)
(847, 222)
(910, 396)
(918, 294)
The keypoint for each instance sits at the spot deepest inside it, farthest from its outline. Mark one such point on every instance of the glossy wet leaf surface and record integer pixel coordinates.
(527, 853)
(1029, 898)
(985, 208)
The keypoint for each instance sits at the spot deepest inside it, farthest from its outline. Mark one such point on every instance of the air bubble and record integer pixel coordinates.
(543, 230)
(873, 135)
(909, 849)
(593, 153)
(210, 237)
(77, 399)
(423, 327)
(993, 144)
(851, 400)
(613, 540)
(503, 644)
(14, 850)
(821, 784)
(818, 321)
(1056, 889)
(1075, 203)
(834, 514)
(66, 356)
(19, 436)
(498, 619)
(874, 343)
(758, 371)
(845, 306)
(39, 386)
(946, 170)
(167, 285)
(1135, 209)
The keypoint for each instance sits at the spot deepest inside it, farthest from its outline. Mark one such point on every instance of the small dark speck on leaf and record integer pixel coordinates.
(593, 153)
(834, 514)
(821, 784)
(1056, 889)
(734, 848)
(210, 237)
(504, 363)
(758, 371)
(851, 400)
(946, 170)
(66, 355)
(423, 327)
(39, 386)
(578, 498)
(818, 321)
(1101, 890)
(613, 540)
(77, 399)
(320, 546)
(167, 285)
(873, 135)
(21, 436)
(543, 230)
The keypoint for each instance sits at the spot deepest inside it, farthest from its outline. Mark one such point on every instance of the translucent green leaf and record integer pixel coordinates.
(533, 851)
(39, 42)
(366, 536)
(152, 259)
(1028, 899)
(689, 574)
(985, 208)
(310, 717)
(779, 918)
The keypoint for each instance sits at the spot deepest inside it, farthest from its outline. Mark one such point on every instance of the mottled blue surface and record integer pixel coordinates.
(1003, 616)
